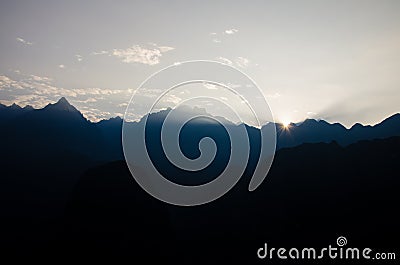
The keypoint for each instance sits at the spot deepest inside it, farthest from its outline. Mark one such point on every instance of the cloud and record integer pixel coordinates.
(242, 62)
(5, 82)
(165, 48)
(96, 91)
(138, 54)
(150, 92)
(94, 114)
(210, 86)
(35, 101)
(24, 41)
(123, 105)
(61, 66)
(100, 53)
(239, 61)
(95, 103)
(234, 86)
(41, 78)
(88, 100)
(231, 31)
(38, 91)
(225, 60)
(310, 113)
(217, 38)
(172, 99)
(35, 85)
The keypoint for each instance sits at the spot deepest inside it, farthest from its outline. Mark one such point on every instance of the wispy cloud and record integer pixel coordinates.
(138, 54)
(124, 104)
(151, 92)
(210, 86)
(311, 114)
(33, 100)
(21, 40)
(94, 114)
(41, 78)
(231, 31)
(88, 100)
(7, 83)
(218, 37)
(224, 60)
(241, 62)
(39, 85)
(165, 48)
(100, 53)
(172, 99)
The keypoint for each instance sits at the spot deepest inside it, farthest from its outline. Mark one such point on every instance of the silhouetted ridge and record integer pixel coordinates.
(28, 107)
(313, 193)
(63, 105)
(15, 107)
(73, 130)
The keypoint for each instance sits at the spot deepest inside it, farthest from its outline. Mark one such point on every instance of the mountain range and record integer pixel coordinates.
(65, 190)
(63, 126)
(59, 132)
(42, 140)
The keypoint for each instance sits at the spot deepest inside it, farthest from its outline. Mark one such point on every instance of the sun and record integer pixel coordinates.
(286, 123)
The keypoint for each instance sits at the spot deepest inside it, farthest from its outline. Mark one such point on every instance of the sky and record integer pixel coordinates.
(332, 60)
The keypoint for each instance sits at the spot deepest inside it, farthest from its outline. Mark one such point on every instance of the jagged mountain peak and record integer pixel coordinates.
(15, 106)
(28, 107)
(313, 122)
(63, 105)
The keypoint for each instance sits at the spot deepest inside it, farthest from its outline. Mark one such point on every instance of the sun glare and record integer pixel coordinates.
(286, 123)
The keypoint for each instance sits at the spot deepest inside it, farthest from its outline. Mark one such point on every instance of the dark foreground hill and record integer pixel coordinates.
(313, 194)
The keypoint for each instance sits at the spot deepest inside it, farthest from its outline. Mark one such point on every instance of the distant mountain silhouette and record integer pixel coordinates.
(44, 139)
(59, 138)
(325, 181)
(9, 113)
(313, 131)
(56, 128)
(61, 125)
